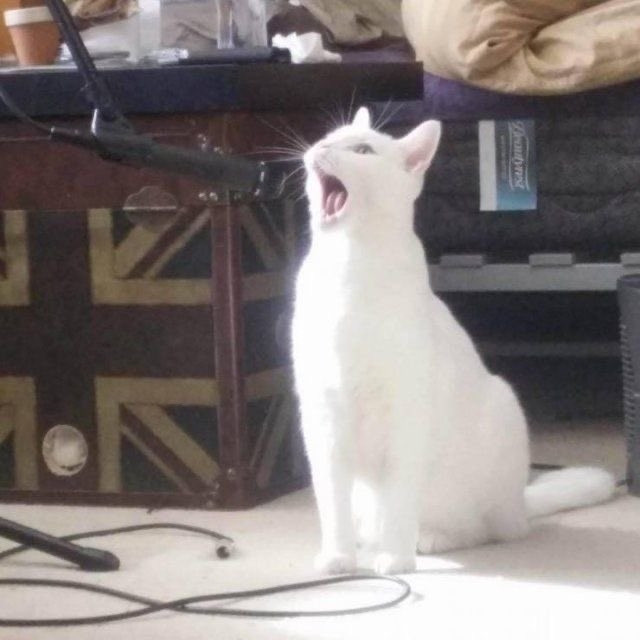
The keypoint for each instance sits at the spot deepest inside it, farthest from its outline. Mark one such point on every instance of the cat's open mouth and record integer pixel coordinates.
(334, 196)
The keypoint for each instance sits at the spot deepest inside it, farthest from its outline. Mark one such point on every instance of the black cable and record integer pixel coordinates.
(20, 114)
(220, 538)
(96, 90)
(74, 136)
(182, 605)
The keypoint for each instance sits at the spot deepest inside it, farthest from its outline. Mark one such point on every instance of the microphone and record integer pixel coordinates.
(261, 180)
(86, 558)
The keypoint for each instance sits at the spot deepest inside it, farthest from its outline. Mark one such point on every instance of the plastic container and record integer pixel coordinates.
(34, 34)
(241, 24)
(120, 38)
(149, 27)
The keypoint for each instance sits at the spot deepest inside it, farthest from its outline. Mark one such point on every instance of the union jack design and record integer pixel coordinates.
(108, 327)
(14, 273)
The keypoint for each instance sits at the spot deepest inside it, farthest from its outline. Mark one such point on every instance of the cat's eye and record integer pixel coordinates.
(362, 148)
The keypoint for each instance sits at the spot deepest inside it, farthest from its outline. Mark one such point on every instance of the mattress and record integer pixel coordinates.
(588, 174)
(588, 168)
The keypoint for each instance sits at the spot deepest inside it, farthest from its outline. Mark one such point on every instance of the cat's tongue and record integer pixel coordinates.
(334, 196)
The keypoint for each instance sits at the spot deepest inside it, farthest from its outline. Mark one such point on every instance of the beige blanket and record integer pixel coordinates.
(357, 21)
(527, 46)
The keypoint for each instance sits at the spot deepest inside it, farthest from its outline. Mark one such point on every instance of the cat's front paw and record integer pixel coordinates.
(388, 563)
(335, 562)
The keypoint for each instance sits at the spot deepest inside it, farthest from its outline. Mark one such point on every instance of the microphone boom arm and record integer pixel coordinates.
(113, 137)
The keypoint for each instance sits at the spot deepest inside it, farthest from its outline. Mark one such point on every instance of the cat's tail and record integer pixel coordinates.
(568, 489)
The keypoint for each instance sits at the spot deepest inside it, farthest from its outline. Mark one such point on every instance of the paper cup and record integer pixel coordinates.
(34, 34)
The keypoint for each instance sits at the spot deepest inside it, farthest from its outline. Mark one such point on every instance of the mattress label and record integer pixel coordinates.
(507, 165)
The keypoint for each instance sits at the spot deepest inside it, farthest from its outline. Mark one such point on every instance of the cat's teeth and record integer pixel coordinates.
(334, 202)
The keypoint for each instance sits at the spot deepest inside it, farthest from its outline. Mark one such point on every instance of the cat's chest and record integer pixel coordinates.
(347, 316)
(336, 284)
(356, 330)
(360, 308)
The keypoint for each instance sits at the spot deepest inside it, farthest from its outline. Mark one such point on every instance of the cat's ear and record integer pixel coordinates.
(420, 145)
(362, 119)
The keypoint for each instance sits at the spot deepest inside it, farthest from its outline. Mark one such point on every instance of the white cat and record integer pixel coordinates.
(413, 444)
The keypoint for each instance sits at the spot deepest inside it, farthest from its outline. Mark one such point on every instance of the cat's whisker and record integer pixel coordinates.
(291, 151)
(380, 116)
(297, 135)
(344, 116)
(298, 179)
(332, 118)
(285, 154)
(341, 119)
(279, 157)
(295, 181)
(297, 143)
(392, 114)
(296, 195)
(296, 170)
(294, 136)
(351, 105)
(287, 149)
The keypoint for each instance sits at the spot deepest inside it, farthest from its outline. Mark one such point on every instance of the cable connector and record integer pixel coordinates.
(224, 548)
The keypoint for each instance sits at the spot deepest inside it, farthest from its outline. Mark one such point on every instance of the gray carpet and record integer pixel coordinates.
(576, 576)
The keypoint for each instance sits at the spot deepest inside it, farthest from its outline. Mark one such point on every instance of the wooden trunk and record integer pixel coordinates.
(151, 314)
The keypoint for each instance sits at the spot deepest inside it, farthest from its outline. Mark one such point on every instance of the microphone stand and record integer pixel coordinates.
(113, 137)
(86, 558)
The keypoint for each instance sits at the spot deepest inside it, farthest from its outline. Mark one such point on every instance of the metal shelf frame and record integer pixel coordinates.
(542, 272)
